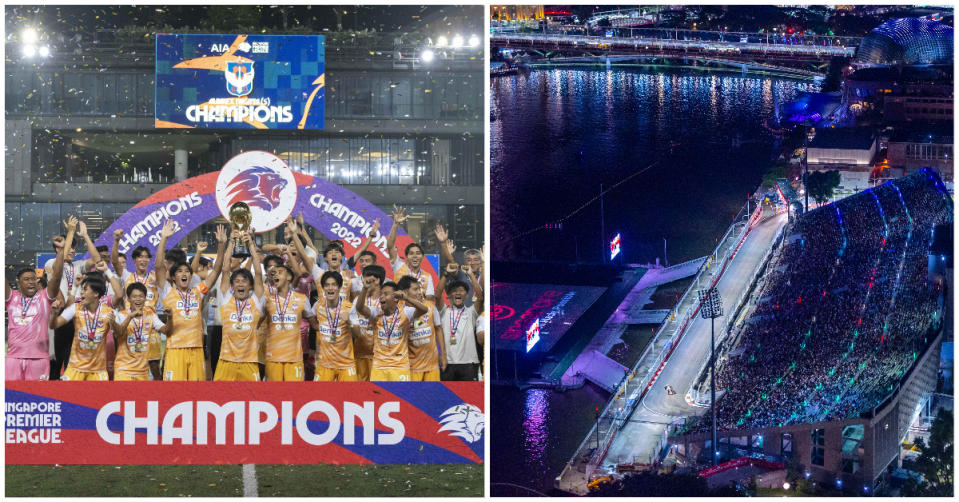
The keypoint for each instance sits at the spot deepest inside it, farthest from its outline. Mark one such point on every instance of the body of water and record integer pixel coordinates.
(557, 136)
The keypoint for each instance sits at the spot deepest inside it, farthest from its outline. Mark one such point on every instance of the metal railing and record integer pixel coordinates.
(634, 386)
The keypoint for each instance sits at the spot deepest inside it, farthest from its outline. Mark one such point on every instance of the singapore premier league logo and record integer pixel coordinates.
(239, 77)
(261, 180)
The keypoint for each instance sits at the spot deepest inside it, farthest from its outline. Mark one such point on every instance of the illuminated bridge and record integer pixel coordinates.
(751, 53)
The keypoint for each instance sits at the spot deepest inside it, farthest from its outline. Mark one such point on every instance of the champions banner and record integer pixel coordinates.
(240, 81)
(244, 422)
(273, 192)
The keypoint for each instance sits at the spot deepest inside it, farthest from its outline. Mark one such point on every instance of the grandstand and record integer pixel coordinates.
(835, 355)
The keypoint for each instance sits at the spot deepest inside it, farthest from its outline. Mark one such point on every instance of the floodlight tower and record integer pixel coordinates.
(711, 307)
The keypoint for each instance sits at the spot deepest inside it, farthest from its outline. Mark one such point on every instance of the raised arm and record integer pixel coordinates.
(446, 245)
(308, 262)
(399, 216)
(114, 253)
(200, 248)
(220, 254)
(477, 289)
(366, 243)
(258, 289)
(361, 307)
(450, 271)
(159, 263)
(94, 254)
(421, 308)
(114, 281)
(305, 234)
(53, 281)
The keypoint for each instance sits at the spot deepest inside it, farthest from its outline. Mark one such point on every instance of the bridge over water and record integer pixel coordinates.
(805, 57)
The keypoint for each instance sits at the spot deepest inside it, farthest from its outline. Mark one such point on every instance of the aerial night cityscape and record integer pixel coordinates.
(721, 250)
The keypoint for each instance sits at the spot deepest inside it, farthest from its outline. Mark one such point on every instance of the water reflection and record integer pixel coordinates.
(535, 428)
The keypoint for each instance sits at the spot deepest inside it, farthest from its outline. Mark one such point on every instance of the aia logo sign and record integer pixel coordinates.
(262, 181)
(239, 77)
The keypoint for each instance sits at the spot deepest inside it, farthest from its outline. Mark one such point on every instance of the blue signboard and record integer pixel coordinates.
(240, 81)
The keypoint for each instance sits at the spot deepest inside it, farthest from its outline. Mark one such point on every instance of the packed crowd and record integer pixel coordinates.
(288, 311)
(843, 312)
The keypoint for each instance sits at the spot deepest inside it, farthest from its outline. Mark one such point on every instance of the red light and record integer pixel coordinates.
(800, 299)
(790, 30)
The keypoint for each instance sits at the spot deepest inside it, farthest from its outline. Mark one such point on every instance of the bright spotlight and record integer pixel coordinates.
(44, 51)
(427, 55)
(28, 36)
(29, 51)
(457, 41)
(441, 41)
(474, 41)
(786, 485)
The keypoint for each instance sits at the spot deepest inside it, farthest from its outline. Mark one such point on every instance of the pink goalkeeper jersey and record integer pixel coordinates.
(28, 333)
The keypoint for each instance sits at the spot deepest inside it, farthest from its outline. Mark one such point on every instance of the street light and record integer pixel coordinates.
(711, 308)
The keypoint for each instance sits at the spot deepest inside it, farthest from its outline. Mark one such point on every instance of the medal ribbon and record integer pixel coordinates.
(96, 319)
(186, 301)
(333, 321)
(240, 309)
(138, 329)
(396, 316)
(68, 270)
(276, 301)
(455, 323)
(26, 305)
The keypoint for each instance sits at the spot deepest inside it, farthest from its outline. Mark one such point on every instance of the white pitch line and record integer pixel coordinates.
(249, 480)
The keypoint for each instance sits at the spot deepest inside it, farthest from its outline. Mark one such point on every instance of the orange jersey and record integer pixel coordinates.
(89, 352)
(400, 268)
(184, 309)
(424, 355)
(132, 346)
(345, 273)
(334, 339)
(283, 344)
(150, 281)
(363, 345)
(392, 335)
(240, 344)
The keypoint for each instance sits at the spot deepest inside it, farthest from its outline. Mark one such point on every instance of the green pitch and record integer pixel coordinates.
(227, 480)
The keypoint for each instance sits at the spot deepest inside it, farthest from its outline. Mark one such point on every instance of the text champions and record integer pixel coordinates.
(243, 422)
(239, 110)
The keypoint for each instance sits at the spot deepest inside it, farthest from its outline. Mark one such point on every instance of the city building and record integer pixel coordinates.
(516, 12)
(400, 128)
(907, 41)
(915, 147)
(852, 151)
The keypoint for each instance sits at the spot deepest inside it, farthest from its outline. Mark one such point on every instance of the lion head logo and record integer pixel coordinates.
(464, 421)
(258, 187)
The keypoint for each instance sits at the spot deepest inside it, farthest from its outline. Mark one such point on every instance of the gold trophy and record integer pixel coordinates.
(240, 217)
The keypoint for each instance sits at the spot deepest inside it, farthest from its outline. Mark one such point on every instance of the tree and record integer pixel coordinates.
(935, 460)
(822, 183)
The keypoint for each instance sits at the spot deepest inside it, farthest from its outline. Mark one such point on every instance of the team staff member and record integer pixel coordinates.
(392, 324)
(184, 349)
(334, 338)
(241, 309)
(459, 326)
(29, 343)
(426, 360)
(136, 328)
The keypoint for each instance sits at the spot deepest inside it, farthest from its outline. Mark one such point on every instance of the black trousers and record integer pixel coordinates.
(62, 343)
(215, 333)
(460, 372)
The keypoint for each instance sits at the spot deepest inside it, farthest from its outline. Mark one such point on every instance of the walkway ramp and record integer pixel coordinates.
(596, 368)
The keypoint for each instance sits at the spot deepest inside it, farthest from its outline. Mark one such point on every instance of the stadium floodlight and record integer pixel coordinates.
(457, 41)
(441, 41)
(29, 51)
(711, 307)
(28, 36)
(44, 51)
(427, 55)
(474, 41)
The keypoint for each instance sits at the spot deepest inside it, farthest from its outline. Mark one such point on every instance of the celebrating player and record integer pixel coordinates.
(136, 329)
(92, 319)
(285, 309)
(414, 257)
(459, 325)
(242, 307)
(425, 360)
(392, 325)
(334, 338)
(184, 351)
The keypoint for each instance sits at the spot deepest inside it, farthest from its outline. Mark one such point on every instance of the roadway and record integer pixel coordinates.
(641, 438)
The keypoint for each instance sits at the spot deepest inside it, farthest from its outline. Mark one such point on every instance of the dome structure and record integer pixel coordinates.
(908, 41)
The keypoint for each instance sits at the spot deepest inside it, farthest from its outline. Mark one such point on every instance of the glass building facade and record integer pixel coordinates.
(81, 139)
(908, 41)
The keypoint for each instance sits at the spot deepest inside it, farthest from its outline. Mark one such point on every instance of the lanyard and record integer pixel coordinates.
(396, 316)
(96, 320)
(455, 323)
(186, 302)
(240, 308)
(286, 305)
(26, 306)
(333, 321)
